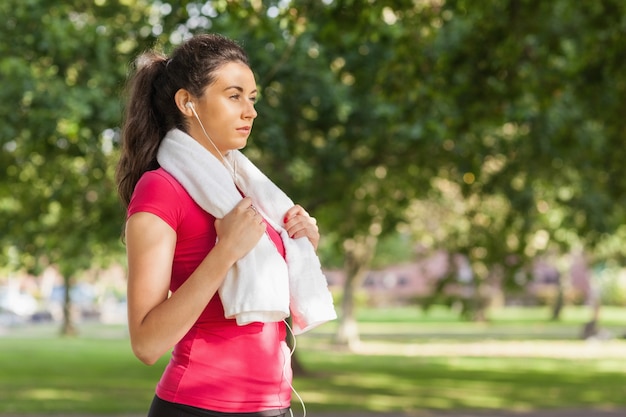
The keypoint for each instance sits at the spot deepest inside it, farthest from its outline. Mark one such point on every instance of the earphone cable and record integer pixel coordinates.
(293, 349)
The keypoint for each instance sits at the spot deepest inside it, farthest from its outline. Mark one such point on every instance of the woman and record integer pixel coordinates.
(179, 254)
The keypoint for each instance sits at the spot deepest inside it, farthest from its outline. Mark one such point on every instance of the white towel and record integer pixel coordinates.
(260, 286)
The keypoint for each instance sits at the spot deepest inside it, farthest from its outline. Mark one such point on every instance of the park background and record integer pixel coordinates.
(464, 160)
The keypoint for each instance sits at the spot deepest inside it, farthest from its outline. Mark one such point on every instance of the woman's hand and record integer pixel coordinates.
(299, 223)
(241, 229)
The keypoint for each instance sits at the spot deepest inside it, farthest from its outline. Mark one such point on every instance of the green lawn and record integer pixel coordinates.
(408, 361)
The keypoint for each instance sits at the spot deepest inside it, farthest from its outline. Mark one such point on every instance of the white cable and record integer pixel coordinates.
(233, 169)
(224, 161)
(293, 349)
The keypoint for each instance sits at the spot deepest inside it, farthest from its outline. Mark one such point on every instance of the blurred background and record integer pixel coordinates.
(464, 161)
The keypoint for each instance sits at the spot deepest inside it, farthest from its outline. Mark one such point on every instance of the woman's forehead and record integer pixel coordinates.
(235, 74)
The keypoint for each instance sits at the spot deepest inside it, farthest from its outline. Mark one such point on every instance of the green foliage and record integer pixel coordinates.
(525, 93)
(65, 65)
(610, 282)
(490, 129)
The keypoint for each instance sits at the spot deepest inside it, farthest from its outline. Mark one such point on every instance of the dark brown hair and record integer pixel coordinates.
(150, 110)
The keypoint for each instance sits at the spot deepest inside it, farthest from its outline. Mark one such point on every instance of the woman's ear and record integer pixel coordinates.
(181, 98)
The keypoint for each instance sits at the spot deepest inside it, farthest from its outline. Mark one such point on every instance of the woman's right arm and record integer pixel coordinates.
(156, 322)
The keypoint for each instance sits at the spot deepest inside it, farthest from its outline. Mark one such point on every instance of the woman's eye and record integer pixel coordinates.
(235, 96)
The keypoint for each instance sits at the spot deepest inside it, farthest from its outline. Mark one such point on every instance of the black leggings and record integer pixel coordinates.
(162, 408)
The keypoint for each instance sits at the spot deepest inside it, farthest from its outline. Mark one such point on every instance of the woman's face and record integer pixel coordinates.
(226, 109)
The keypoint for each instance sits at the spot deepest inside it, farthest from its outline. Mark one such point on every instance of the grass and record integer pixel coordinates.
(78, 375)
(409, 361)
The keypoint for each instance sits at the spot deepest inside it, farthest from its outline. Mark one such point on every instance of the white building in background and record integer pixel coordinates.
(14, 300)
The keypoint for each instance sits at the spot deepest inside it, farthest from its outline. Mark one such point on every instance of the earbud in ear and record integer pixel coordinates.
(189, 105)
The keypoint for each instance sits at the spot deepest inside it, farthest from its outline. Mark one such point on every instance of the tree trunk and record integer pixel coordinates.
(67, 327)
(559, 301)
(591, 328)
(359, 254)
(563, 269)
(348, 332)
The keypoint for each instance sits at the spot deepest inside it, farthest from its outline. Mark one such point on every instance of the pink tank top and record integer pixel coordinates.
(218, 365)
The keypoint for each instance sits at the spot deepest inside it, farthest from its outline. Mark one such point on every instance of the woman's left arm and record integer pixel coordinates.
(299, 223)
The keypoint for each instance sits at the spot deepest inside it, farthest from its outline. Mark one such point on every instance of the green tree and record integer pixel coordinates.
(336, 127)
(508, 103)
(63, 66)
(506, 115)
(531, 98)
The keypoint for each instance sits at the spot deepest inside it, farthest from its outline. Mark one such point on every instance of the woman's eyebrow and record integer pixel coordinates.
(238, 88)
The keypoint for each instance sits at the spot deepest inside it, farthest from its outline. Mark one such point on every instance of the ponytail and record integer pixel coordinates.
(147, 118)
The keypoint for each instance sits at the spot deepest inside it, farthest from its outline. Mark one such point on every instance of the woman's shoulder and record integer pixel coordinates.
(160, 179)
(157, 190)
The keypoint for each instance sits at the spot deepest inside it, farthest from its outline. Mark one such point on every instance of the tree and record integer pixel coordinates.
(367, 110)
(533, 119)
(495, 100)
(64, 67)
(334, 116)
